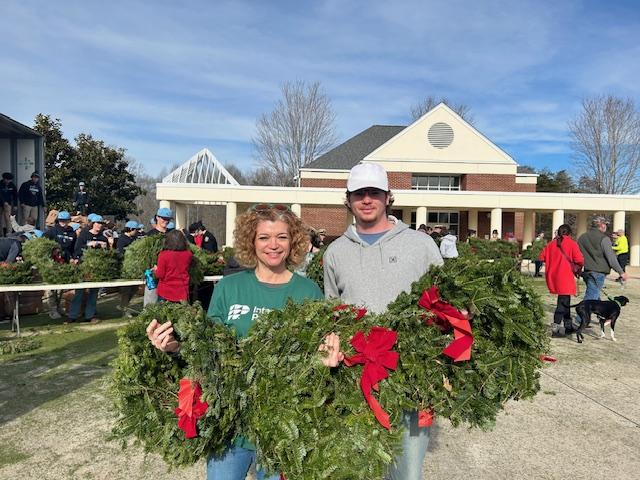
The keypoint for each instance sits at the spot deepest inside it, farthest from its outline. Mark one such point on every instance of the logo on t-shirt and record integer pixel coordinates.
(236, 310)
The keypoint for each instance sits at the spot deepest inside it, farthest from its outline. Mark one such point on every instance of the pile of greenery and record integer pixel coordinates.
(141, 255)
(315, 268)
(18, 273)
(533, 251)
(488, 249)
(39, 250)
(60, 273)
(145, 384)
(100, 265)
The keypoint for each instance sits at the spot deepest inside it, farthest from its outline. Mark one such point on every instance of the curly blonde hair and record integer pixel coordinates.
(245, 235)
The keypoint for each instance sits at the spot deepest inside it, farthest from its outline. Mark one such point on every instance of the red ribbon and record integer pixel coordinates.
(375, 353)
(460, 348)
(360, 312)
(548, 358)
(425, 418)
(190, 407)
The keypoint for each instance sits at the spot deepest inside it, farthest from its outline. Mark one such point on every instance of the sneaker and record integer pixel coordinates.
(128, 315)
(93, 320)
(54, 315)
(69, 320)
(557, 330)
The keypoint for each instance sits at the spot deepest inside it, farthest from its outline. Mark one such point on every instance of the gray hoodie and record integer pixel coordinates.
(374, 275)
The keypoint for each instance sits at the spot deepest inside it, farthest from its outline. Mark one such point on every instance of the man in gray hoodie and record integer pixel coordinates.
(370, 265)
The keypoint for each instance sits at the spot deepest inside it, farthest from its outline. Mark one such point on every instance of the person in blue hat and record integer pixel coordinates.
(162, 219)
(63, 233)
(8, 200)
(129, 235)
(81, 200)
(91, 237)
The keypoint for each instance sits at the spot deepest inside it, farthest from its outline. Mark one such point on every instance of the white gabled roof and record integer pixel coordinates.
(203, 167)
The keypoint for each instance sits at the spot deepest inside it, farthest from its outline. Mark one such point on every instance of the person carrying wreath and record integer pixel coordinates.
(370, 265)
(270, 240)
(558, 255)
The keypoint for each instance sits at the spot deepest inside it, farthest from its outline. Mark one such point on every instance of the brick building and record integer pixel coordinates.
(439, 152)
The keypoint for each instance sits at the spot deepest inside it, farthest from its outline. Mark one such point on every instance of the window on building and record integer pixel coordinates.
(435, 182)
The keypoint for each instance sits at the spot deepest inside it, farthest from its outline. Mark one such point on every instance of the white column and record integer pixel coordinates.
(181, 216)
(297, 209)
(618, 221)
(634, 240)
(232, 210)
(165, 204)
(529, 227)
(558, 219)
(406, 216)
(496, 221)
(581, 223)
(350, 218)
(421, 216)
(472, 222)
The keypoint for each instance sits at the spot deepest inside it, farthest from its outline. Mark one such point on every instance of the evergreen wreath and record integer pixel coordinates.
(38, 250)
(315, 269)
(59, 273)
(510, 336)
(100, 265)
(141, 255)
(309, 421)
(145, 384)
(18, 273)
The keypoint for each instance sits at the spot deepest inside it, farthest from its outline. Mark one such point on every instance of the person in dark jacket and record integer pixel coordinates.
(599, 258)
(81, 200)
(91, 237)
(63, 233)
(161, 221)
(9, 199)
(30, 196)
(129, 235)
(11, 248)
(201, 237)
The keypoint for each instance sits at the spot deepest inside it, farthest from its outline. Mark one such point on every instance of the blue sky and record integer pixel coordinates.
(164, 79)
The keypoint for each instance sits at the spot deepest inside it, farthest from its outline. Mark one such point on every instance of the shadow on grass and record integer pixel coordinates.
(30, 380)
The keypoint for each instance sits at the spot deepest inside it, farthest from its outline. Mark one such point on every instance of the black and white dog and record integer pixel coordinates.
(607, 312)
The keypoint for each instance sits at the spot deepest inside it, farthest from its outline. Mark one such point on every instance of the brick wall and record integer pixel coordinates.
(324, 182)
(333, 219)
(399, 180)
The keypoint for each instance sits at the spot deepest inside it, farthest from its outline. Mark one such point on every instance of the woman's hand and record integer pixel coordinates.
(331, 345)
(161, 336)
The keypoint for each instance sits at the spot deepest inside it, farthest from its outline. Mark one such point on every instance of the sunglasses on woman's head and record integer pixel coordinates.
(265, 207)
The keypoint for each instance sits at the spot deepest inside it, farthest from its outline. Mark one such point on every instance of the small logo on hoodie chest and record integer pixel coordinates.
(393, 259)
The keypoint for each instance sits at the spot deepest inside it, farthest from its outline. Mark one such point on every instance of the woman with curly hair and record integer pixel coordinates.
(271, 241)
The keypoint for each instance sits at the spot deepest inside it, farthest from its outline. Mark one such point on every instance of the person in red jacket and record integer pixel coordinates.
(172, 269)
(557, 257)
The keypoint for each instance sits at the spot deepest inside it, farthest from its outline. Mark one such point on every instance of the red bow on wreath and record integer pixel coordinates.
(375, 353)
(360, 312)
(190, 407)
(460, 348)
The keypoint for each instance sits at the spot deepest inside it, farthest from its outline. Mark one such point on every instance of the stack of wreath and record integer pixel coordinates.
(18, 273)
(312, 422)
(39, 251)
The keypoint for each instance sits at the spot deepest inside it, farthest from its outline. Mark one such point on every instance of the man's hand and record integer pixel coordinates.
(331, 345)
(161, 336)
(624, 276)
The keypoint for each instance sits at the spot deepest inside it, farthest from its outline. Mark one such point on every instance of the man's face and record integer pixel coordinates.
(602, 227)
(162, 223)
(369, 205)
(34, 179)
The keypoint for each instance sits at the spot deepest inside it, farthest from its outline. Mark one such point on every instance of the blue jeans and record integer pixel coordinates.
(595, 282)
(234, 465)
(90, 308)
(415, 441)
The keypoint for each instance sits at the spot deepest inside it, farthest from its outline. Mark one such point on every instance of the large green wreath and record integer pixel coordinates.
(38, 250)
(309, 421)
(100, 265)
(145, 384)
(59, 273)
(18, 273)
(141, 255)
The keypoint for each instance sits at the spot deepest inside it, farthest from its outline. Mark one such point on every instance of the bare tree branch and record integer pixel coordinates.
(300, 128)
(420, 108)
(606, 143)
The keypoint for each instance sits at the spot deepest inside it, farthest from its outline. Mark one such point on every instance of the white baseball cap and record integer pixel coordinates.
(367, 175)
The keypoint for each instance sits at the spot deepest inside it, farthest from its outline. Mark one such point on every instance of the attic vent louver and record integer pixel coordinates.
(440, 135)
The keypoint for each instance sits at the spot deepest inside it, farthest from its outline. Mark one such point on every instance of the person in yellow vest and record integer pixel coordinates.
(621, 249)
